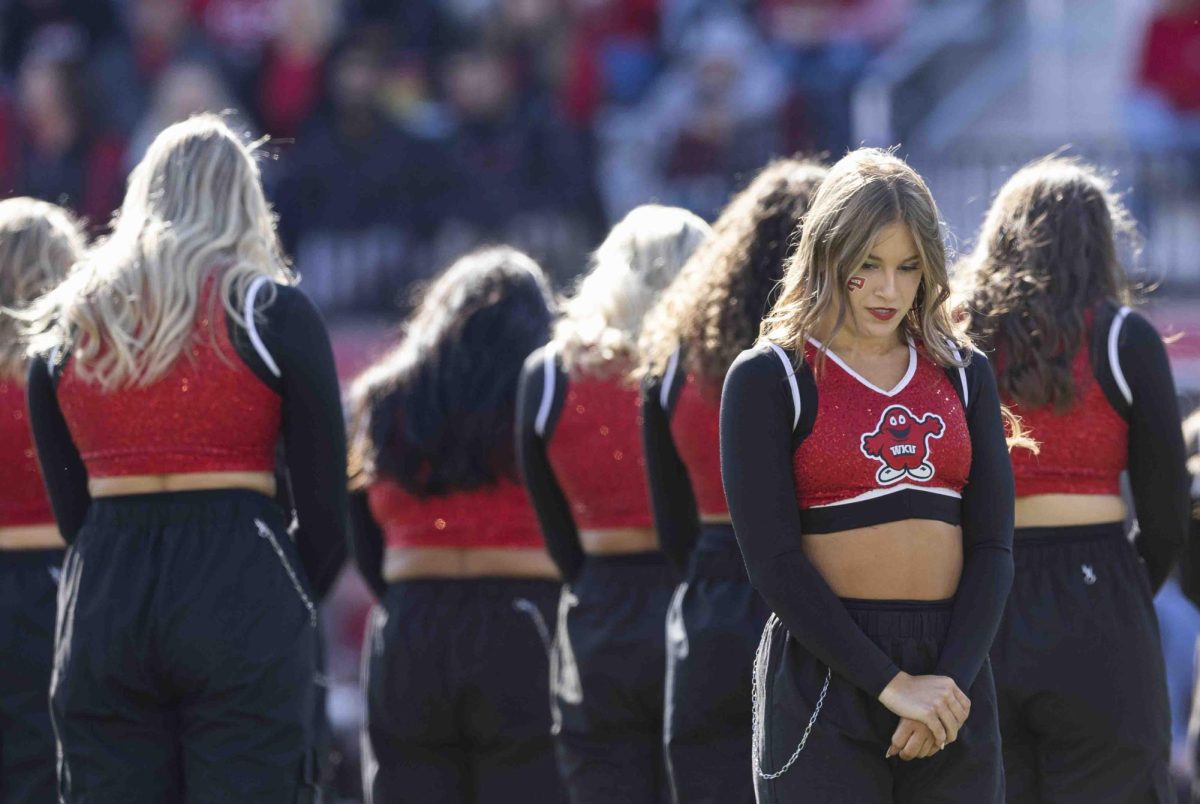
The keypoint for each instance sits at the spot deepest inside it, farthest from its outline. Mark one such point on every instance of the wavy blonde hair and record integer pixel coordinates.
(39, 242)
(194, 209)
(714, 307)
(865, 191)
(599, 327)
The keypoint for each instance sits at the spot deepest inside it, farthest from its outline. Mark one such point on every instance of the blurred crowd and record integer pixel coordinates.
(402, 132)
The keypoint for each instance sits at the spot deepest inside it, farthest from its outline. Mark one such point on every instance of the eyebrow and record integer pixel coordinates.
(906, 260)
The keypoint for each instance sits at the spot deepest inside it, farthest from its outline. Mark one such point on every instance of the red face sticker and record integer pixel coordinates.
(855, 283)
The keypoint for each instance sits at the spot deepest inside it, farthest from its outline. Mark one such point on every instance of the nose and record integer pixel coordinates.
(889, 287)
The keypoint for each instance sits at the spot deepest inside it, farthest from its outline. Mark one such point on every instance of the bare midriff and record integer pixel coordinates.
(615, 541)
(408, 563)
(914, 559)
(30, 537)
(1064, 510)
(263, 482)
(715, 519)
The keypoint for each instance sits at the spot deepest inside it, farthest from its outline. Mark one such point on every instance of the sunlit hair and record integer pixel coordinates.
(39, 242)
(1047, 253)
(436, 414)
(714, 307)
(600, 324)
(194, 209)
(864, 192)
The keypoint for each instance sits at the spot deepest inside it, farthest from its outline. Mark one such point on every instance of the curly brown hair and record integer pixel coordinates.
(714, 307)
(1046, 254)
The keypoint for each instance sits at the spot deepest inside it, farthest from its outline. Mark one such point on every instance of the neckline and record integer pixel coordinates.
(900, 386)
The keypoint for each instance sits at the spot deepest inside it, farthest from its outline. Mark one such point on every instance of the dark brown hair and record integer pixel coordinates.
(714, 307)
(1046, 254)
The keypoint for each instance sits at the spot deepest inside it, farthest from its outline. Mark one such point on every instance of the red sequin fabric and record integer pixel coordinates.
(208, 413)
(596, 452)
(695, 429)
(23, 498)
(867, 442)
(498, 515)
(1083, 450)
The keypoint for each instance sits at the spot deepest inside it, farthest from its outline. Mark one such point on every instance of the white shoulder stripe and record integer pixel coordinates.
(962, 377)
(252, 327)
(1114, 357)
(791, 375)
(664, 393)
(549, 373)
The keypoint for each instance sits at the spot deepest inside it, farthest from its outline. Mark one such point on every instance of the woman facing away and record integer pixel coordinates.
(39, 242)
(864, 461)
(709, 314)
(579, 450)
(455, 661)
(169, 364)
(1079, 668)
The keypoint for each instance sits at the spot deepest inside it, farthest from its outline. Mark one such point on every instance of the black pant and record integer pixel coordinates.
(185, 655)
(1079, 672)
(607, 678)
(713, 627)
(458, 693)
(28, 586)
(843, 759)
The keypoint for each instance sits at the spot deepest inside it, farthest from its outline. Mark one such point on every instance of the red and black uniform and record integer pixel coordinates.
(1079, 668)
(185, 660)
(821, 450)
(716, 617)
(580, 452)
(456, 676)
(28, 587)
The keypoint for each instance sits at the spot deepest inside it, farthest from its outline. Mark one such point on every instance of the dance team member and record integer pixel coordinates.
(1079, 668)
(39, 242)
(173, 359)
(579, 449)
(455, 661)
(709, 314)
(864, 460)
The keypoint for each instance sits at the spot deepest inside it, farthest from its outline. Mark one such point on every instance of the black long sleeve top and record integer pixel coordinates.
(312, 432)
(759, 437)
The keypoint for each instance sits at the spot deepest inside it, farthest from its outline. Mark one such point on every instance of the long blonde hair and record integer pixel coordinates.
(865, 191)
(714, 307)
(599, 327)
(194, 209)
(39, 242)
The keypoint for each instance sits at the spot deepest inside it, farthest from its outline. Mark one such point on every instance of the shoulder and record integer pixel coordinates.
(764, 367)
(541, 362)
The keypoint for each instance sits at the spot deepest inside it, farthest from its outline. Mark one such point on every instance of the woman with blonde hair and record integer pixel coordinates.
(709, 314)
(1079, 668)
(580, 455)
(454, 662)
(39, 242)
(864, 461)
(170, 364)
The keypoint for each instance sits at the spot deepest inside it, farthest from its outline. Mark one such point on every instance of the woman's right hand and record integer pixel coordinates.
(935, 701)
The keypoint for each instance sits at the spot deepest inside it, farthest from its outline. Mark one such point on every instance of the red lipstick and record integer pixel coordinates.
(882, 313)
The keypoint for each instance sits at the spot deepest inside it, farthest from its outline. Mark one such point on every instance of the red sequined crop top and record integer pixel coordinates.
(695, 429)
(595, 451)
(209, 413)
(23, 499)
(491, 516)
(1083, 449)
(876, 455)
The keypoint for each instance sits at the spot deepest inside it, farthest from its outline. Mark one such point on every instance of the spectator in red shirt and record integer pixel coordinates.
(1164, 110)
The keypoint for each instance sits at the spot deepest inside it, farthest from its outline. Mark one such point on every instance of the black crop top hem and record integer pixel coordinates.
(893, 507)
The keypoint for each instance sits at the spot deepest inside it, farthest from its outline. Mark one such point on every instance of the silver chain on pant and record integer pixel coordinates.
(762, 658)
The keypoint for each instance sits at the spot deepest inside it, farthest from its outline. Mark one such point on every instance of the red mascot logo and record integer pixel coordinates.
(901, 444)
